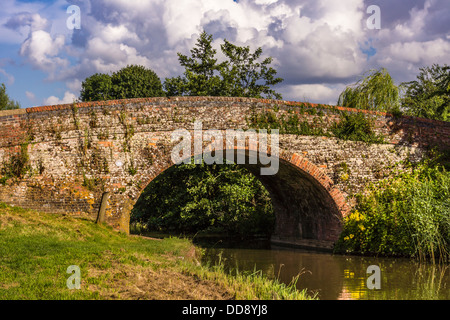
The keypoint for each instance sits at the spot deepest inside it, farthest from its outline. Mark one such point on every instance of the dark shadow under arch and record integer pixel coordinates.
(308, 209)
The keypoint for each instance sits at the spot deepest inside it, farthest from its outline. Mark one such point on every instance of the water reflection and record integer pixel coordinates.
(340, 277)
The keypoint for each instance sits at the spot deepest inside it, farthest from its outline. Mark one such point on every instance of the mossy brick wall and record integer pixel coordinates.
(75, 151)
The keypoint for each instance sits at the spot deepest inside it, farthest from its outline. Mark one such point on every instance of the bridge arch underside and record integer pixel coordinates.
(306, 214)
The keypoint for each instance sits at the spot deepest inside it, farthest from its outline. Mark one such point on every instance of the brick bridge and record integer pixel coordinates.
(66, 156)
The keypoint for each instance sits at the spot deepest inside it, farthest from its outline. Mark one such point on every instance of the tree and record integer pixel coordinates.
(375, 91)
(192, 198)
(200, 75)
(429, 95)
(129, 82)
(5, 102)
(96, 87)
(244, 76)
(136, 82)
(240, 75)
(176, 86)
(197, 197)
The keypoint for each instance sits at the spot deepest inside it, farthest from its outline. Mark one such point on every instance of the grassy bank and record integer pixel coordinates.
(37, 248)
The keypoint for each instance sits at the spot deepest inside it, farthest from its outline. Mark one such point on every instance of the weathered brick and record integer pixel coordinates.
(77, 166)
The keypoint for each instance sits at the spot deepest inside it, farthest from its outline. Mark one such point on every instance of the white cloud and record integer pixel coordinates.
(427, 52)
(410, 43)
(42, 51)
(315, 93)
(15, 20)
(74, 85)
(69, 97)
(316, 45)
(30, 95)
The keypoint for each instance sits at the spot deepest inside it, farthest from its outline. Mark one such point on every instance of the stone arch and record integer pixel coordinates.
(307, 206)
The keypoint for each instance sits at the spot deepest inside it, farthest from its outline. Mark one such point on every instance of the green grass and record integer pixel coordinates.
(253, 285)
(37, 248)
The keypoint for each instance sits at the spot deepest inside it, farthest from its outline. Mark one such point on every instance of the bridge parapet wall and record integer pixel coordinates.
(170, 112)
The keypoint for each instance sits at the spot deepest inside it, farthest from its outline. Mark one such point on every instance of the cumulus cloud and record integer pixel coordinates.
(315, 93)
(69, 97)
(317, 46)
(308, 44)
(42, 51)
(30, 95)
(41, 48)
(416, 40)
(15, 20)
(23, 19)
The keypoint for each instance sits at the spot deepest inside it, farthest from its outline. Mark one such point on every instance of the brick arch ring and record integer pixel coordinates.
(297, 162)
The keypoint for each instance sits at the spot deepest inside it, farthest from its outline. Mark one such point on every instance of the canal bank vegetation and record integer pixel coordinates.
(407, 215)
(198, 199)
(37, 248)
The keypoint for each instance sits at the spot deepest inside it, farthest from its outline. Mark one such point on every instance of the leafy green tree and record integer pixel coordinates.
(129, 82)
(5, 102)
(176, 86)
(227, 198)
(219, 198)
(240, 75)
(375, 91)
(136, 82)
(429, 95)
(200, 75)
(244, 76)
(96, 88)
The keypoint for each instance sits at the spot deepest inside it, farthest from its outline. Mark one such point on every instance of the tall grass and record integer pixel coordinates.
(408, 215)
(250, 285)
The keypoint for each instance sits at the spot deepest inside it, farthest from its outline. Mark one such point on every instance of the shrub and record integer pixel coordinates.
(408, 215)
(210, 198)
(18, 164)
(356, 127)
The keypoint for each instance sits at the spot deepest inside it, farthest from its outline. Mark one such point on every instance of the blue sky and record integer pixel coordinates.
(318, 47)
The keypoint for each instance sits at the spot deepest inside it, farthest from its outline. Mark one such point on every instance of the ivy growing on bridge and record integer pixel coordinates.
(352, 126)
(17, 165)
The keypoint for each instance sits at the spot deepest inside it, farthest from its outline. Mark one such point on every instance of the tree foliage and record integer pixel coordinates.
(216, 198)
(97, 87)
(429, 95)
(244, 76)
(130, 82)
(240, 75)
(136, 82)
(5, 102)
(200, 78)
(376, 90)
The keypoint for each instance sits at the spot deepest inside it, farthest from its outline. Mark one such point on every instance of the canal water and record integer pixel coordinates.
(337, 277)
